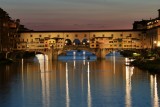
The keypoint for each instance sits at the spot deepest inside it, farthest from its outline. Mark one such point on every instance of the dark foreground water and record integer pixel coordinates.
(105, 83)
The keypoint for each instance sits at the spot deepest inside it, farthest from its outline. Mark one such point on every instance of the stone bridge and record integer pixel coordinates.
(100, 53)
(54, 53)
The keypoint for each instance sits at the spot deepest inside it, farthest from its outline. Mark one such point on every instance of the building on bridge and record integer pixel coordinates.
(145, 34)
(104, 39)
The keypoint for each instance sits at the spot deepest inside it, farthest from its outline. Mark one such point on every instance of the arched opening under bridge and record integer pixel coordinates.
(85, 42)
(76, 42)
(68, 42)
(113, 53)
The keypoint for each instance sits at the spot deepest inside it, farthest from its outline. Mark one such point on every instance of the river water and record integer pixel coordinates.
(40, 82)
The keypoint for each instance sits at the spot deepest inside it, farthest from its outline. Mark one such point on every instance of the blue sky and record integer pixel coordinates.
(80, 14)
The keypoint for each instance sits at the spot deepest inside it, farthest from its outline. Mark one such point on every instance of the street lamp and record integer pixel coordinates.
(155, 43)
(158, 43)
(66, 42)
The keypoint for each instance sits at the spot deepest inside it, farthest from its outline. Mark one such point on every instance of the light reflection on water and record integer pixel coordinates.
(154, 91)
(89, 90)
(81, 83)
(43, 61)
(129, 73)
(67, 87)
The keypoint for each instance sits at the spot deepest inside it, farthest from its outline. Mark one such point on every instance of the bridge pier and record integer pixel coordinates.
(101, 53)
(50, 56)
(54, 53)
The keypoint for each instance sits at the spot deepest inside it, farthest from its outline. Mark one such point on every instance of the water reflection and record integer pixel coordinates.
(84, 62)
(76, 83)
(74, 64)
(43, 61)
(114, 60)
(67, 87)
(89, 89)
(154, 92)
(22, 77)
(129, 73)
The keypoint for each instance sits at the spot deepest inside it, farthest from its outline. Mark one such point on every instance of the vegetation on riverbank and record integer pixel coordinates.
(9, 57)
(5, 61)
(150, 65)
(145, 59)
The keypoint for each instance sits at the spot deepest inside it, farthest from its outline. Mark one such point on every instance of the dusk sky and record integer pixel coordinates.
(80, 14)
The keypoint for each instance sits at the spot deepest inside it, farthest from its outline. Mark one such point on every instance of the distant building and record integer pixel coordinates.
(8, 31)
(140, 25)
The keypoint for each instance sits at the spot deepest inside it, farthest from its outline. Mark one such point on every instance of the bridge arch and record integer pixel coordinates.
(76, 42)
(113, 53)
(85, 41)
(68, 42)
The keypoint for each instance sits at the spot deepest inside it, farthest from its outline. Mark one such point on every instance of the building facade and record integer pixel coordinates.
(150, 29)
(8, 30)
(108, 39)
